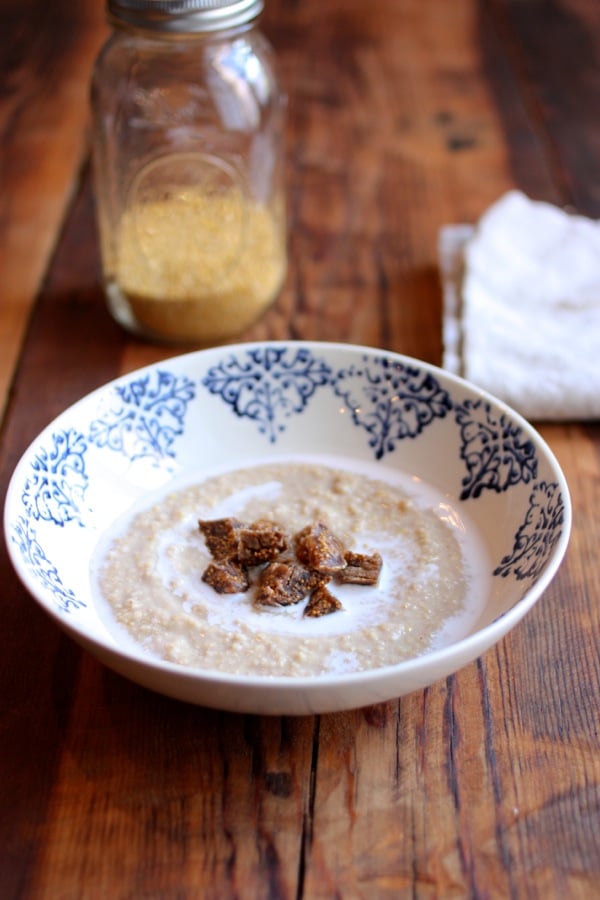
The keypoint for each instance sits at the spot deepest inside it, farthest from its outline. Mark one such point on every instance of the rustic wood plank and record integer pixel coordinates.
(556, 772)
(73, 346)
(564, 109)
(206, 804)
(45, 60)
(65, 355)
(369, 188)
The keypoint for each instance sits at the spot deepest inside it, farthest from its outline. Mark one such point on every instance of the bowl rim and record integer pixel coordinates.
(484, 636)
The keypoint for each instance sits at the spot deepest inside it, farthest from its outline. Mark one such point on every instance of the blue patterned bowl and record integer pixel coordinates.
(234, 405)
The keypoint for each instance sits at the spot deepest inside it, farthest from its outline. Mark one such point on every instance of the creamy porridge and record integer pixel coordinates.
(149, 578)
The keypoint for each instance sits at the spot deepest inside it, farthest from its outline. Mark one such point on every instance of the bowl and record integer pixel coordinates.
(176, 422)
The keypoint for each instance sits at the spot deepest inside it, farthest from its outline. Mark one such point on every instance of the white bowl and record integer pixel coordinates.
(238, 404)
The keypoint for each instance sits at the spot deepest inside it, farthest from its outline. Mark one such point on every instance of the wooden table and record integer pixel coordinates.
(404, 115)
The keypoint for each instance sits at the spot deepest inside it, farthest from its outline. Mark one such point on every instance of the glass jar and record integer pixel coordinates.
(188, 123)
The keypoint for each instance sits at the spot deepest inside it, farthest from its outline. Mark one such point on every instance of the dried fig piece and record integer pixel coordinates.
(322, 603)
(259, 543)
(361, 568)
(226, 576)
(221, 536)
(319, 548)
(285, 583)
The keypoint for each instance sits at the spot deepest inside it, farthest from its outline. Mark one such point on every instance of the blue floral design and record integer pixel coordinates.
(537, 536)
(391, 401)
(268, 385)
(24, 536)
(55, 491)
(493, 449)
(145, 417)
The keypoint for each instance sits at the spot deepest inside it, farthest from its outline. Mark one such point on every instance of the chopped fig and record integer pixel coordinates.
(259, 543)
(226, 576)
(319, 548)
(221, 536)
(286, 583)
(361, 568)
(322, 603)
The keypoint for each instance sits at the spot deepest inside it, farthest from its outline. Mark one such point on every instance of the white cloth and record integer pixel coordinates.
(522, 307)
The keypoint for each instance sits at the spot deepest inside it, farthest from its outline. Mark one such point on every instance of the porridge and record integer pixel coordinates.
(150, 586)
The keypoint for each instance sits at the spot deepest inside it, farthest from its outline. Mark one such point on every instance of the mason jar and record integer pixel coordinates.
(188, 122)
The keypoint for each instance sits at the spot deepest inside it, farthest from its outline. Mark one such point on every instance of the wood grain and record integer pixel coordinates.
(562, 110)
(46, 57)
(403, 116)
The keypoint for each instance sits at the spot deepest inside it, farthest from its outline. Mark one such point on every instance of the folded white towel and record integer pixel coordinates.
(522, 307)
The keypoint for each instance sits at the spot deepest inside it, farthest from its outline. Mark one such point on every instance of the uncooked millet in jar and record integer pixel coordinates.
(197, 265)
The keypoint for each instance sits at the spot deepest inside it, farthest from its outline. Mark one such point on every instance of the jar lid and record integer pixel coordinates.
(183, 16)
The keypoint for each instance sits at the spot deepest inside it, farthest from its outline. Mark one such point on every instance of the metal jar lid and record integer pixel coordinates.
(183, 16)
